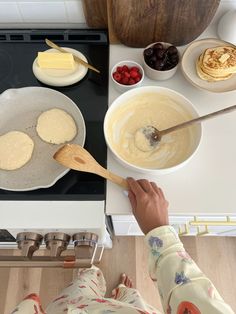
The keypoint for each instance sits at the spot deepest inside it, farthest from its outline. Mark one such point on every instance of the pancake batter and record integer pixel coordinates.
(151, 110)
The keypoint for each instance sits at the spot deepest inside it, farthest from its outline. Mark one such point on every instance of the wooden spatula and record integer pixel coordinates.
(76, 157)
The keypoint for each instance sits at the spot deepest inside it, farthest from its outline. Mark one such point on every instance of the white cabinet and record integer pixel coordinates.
(214, 225)
(126, 225)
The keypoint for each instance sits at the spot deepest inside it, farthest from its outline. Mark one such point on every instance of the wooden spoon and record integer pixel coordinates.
(76, 157)
(76, 58)
(153, 135)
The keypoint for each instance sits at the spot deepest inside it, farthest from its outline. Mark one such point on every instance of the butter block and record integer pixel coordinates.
(55, 60)
(224, 57)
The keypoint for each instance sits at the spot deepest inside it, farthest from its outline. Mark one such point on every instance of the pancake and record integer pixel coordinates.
(56, 126)
(217, 64)
(207, 77)
(16, 149)
(219, 61)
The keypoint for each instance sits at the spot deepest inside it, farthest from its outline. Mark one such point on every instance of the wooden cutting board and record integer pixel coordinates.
(137, 23)
(95, 12)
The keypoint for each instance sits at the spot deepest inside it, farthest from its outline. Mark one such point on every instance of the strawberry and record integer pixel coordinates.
(136, 69)
(119, 69)
(131, 81)
(117, 76)
(124, 80)
(137, 79)
(125, 68)
(134, 74)
(127, 74)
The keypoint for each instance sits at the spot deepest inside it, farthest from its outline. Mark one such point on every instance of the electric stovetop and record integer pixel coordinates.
(18, 49)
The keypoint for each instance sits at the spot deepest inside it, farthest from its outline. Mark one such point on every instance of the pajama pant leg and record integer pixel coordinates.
(86, 295)
(30, 305)
(133, 297)
(89, 284)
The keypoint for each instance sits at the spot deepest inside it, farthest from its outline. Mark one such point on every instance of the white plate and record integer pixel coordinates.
(19, 110)
(188, 66)
(61, 77)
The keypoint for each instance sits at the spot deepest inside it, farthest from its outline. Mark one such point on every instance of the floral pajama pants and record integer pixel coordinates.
(86, 295)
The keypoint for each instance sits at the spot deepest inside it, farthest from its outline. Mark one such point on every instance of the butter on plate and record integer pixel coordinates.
(55, 60)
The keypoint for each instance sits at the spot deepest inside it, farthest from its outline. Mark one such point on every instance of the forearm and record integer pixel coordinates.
(177, 276)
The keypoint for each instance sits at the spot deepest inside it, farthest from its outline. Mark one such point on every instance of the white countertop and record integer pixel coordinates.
(207, 183)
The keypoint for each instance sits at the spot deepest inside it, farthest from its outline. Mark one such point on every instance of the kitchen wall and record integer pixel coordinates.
(56, 13)
(41, 13)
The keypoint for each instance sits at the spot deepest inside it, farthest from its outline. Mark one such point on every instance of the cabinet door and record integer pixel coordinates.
(126, 225)
(184, 225)
(214, 225)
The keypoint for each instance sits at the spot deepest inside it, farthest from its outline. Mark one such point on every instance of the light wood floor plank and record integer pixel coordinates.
(120, 259)
(21, 282)
(217, 259)
(144, 283)
(53, 281)
(4, 278)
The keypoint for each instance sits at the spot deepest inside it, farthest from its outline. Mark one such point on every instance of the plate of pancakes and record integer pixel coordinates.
(210, 64)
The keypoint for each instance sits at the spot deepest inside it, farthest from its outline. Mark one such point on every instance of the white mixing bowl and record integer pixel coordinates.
(180, 102)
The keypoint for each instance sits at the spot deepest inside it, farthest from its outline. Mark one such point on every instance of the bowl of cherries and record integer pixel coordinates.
(127, 75)
(160, 60)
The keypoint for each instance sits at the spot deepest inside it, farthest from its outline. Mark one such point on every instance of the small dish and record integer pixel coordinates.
(188, 66)
(227, 27)
(160, 75)
(122, 87)
(61, 77)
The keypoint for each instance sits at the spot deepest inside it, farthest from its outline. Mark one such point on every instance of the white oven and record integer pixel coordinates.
(53, 216)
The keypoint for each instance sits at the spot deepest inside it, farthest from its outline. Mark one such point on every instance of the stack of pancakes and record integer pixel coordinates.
(217, 64)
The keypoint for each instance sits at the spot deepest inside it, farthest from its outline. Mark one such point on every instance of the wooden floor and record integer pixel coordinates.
(216, 256)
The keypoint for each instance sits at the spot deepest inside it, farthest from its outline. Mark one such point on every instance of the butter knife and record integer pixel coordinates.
(77, 59)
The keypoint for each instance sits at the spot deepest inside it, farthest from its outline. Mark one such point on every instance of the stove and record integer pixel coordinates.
(18, 49)
(75, 204)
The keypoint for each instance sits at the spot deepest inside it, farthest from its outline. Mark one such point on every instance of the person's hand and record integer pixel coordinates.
(148, 203)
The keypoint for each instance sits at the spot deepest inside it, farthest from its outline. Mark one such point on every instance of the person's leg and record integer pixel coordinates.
(127, 294)
(30, 305)
(88, 284)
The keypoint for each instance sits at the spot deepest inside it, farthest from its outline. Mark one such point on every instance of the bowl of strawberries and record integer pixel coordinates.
(126, 75)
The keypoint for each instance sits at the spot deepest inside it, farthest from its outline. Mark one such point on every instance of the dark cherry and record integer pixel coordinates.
(174, 58)
(146, 59)
(153, 58)
(168, 66)
(159, 65)
(172, 50)
(151, 63)
(148, 52)
(157, 46)
(159, 53)
(175, 63)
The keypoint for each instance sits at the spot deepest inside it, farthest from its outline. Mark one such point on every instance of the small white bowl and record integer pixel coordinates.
(227, 27)
(125, 98)
(121, 87)
(156, 74)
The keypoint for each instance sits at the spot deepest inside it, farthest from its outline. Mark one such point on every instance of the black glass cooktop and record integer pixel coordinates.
(18, 49)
